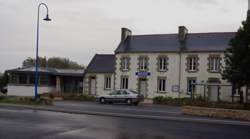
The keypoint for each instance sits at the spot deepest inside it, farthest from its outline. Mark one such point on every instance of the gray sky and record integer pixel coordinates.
(82, 28)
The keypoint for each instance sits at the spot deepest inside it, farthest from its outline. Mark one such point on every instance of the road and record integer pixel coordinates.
(30, 124)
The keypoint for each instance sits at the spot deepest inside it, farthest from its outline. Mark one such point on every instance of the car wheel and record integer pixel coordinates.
(102, 100)
(129, 101)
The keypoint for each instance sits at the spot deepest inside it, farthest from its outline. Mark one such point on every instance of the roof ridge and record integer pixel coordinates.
(177, 33)
(105, 54)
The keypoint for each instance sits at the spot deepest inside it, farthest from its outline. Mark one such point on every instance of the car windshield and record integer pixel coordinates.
(133, 91)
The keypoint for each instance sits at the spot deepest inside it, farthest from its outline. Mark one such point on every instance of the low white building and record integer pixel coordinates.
(22, 81)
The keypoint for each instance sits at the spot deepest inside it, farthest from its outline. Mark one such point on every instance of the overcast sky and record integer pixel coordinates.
(81, 28)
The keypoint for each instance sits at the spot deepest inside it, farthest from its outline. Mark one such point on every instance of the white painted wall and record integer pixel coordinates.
(172, 74)
(100, 79)
(14, 90)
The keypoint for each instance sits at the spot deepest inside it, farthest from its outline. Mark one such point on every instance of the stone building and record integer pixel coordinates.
(99, 75)
(164, 65)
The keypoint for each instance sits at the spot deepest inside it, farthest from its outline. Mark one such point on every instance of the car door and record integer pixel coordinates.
(118, 96)
(124, 96)
(111, 97)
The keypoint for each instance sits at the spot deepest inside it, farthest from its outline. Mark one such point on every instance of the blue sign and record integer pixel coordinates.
(142, 73)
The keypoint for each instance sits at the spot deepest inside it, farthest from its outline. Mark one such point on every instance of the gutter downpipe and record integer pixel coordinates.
(179, 73)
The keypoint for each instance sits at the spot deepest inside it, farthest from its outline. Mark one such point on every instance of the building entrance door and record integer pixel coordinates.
(93, 86)
(143, 87)
(213, 90)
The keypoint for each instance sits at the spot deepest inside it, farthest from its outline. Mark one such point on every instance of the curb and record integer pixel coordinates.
(135, 116)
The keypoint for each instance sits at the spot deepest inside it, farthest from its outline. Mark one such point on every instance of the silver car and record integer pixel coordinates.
(124, 96)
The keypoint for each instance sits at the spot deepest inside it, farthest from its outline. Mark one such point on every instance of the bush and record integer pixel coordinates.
(198, 101)
(2, 97)
(79, 97)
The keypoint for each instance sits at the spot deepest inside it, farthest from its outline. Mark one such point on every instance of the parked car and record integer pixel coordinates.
(121, 96)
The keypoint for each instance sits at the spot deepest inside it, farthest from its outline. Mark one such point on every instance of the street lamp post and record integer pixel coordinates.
(37, 39)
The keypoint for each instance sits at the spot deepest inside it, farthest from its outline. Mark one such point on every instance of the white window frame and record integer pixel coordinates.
(108, 82)
(143, 63)
(192, 65)
(161, 85)
(214, 64)
(163, 64)
(125, 64)
(124, 83)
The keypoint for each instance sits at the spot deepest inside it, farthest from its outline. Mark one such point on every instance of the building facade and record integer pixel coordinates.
(167, 64)
(22, 81)
(99, 75)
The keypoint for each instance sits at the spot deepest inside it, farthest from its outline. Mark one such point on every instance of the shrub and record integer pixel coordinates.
(2, 97)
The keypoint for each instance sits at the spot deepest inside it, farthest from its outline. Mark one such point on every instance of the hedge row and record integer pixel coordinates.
(198, 102)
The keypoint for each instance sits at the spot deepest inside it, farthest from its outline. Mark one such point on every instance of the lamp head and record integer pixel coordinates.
(47, 18)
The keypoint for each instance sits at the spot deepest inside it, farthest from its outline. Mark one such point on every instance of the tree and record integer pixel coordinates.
(32, 62)
(63, 63)
(237, 58)
(53, 62)
(4, 81)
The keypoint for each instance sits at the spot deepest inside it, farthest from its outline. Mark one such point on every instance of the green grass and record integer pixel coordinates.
(21, 102)
(3, 99)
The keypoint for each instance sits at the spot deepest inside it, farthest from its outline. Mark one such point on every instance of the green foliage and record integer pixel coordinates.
(198, 101)
(23, 101)
(2, 97)
(32, 62)
(79, 97)
(4, 81)
(237, 57)
(53, 62)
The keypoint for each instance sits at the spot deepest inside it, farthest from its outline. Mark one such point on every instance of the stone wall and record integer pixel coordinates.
(217, 112)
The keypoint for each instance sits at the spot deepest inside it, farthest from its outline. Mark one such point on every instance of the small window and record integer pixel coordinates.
(124, 83)
(214, 63)
(14, 78)
(161, 85)
(191, 81)
(44, 80)
(107, 82)
(32, 79)
(162, 64)
(192, 63)
(23, 79)
(125, 92)
(124, 64)
(143, 63)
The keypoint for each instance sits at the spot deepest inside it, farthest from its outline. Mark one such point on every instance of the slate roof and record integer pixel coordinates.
(101, 63)
(52, 71)
(195, 42)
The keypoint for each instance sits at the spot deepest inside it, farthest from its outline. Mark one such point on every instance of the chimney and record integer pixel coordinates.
(125, 33)
(183, 31)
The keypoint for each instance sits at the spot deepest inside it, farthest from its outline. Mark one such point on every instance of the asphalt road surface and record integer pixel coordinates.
(30, 124)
